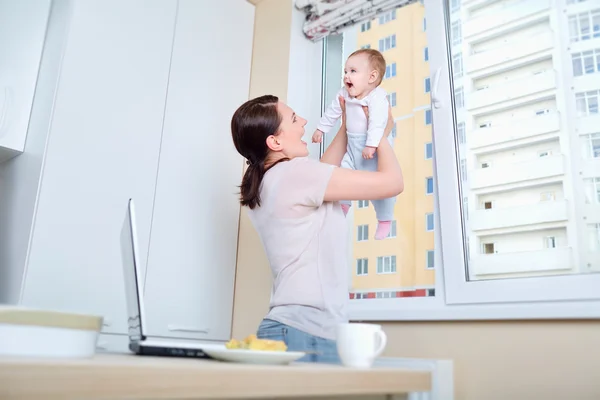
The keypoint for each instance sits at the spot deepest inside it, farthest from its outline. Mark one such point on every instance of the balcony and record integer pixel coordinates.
(512, 93)
(510, 55)
(516, 133)
(505, 18)
(519, 216)
(518, 174)
(558, 259)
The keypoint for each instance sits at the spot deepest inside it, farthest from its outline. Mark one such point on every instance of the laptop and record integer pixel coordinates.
(138, 342)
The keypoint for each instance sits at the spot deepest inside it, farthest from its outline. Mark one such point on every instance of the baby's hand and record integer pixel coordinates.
(368, 152)
(317, 136)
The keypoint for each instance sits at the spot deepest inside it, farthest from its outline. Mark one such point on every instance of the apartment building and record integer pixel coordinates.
(526, 85)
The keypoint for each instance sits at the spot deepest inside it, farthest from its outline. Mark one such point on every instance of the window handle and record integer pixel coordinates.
(435, 100)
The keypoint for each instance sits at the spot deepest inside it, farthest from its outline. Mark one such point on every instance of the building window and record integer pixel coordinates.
(366, 46)
(454, 5)
(587, 62)
(427, 85)
(459, 98)
(426, 54)
(362, 266)
(591, 145)
(393, 231)
(460, 130)
(488, 248)
(363, 233)
(429, 222)
(457, 65)
(584, 26)
(387, 17)
(393, 132)
(363, 203)
(550, 242)
(547, 196)
(427, 117)
(463, 169)
(428, 151)
(390, 71)
(387, 43)
(365, 26)
(430, 259)
(592, 191)
(466, 208)
(424, 24)
(429, 185)
(386, 265)
(456, 33)
(392, 99)
(587, 103)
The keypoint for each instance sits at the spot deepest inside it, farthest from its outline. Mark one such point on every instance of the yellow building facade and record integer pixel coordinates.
(405, 45)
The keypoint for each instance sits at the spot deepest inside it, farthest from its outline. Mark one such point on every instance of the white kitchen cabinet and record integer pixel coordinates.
(192, 256)
(22, 32)
(103, 147)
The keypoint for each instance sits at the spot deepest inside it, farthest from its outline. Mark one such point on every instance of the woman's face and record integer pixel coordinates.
(288, 142)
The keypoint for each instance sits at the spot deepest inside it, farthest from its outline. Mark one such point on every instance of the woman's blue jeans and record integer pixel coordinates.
(319, 350)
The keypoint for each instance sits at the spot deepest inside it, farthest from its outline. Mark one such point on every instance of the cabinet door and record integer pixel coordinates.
(193, 246)
(103, 148)
(22, 31)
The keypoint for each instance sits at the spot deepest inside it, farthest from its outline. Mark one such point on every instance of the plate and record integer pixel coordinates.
(220, 352)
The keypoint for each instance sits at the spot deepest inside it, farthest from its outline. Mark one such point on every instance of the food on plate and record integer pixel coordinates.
(253, 343)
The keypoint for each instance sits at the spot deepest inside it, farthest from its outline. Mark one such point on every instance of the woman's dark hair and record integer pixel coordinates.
(252, 123)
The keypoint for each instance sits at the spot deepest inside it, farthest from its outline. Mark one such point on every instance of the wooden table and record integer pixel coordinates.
(121, 376)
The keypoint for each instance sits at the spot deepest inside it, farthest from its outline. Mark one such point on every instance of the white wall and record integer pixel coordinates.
(513, 198)
(525, 241)
(20, 176)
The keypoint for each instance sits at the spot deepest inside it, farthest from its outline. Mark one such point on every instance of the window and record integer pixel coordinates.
(394, 133)
(426, 54)
(456, 33)
(587, 103)
(430, 259)
(424, 24)
(365, 26)
(387, 43)
(587, 62)
(429, 185)
(454, 5)
(387, 17)
(584, 26)
(366, 46)
(429, 222)
(392, 99)
(459, 98)
(428, 151)
(457, 65)
(390, 71)
(489, 235)
(362, 266)
(460, 130)
(393, 231)
(427, 85)
(363, 203)
(363, 233)
(386, 265)
(591, 145)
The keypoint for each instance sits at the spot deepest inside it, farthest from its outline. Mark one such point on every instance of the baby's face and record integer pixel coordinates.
(359, 75)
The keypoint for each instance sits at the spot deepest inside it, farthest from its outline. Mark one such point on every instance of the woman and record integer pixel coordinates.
(294, 206)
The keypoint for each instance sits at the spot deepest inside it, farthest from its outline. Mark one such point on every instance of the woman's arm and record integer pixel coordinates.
(387, 181)
(336, 150)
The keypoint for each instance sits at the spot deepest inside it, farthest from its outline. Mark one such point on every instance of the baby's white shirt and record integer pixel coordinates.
(356, 121)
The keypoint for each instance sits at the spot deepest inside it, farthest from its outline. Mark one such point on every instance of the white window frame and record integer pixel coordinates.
(427, 156)
(579, 59)
(586, 99)
(427, 85)
(427, 253)
(575, 21)
(361, 263)
(392, 262)
(361, 236)
(427, 215)
(427, 193)
(393, 230)
(551, 297)
(362, 204)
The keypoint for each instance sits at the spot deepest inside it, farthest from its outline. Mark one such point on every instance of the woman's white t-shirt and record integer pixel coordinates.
(307, 247)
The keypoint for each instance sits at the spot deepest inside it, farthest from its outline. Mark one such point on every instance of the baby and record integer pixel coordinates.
(363, 73)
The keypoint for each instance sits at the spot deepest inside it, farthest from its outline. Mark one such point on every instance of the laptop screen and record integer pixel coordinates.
(132, 274)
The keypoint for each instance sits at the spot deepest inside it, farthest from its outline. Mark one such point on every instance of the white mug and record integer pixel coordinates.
(359, 344)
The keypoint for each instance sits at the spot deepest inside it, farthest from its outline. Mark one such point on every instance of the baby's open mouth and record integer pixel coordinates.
(349, 85)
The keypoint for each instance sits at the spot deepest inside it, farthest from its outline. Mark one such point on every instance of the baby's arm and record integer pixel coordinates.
(329, 118)
(378, 118)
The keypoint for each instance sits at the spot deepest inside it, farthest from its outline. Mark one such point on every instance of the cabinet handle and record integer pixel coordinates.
(435, 100)
(179, 328)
